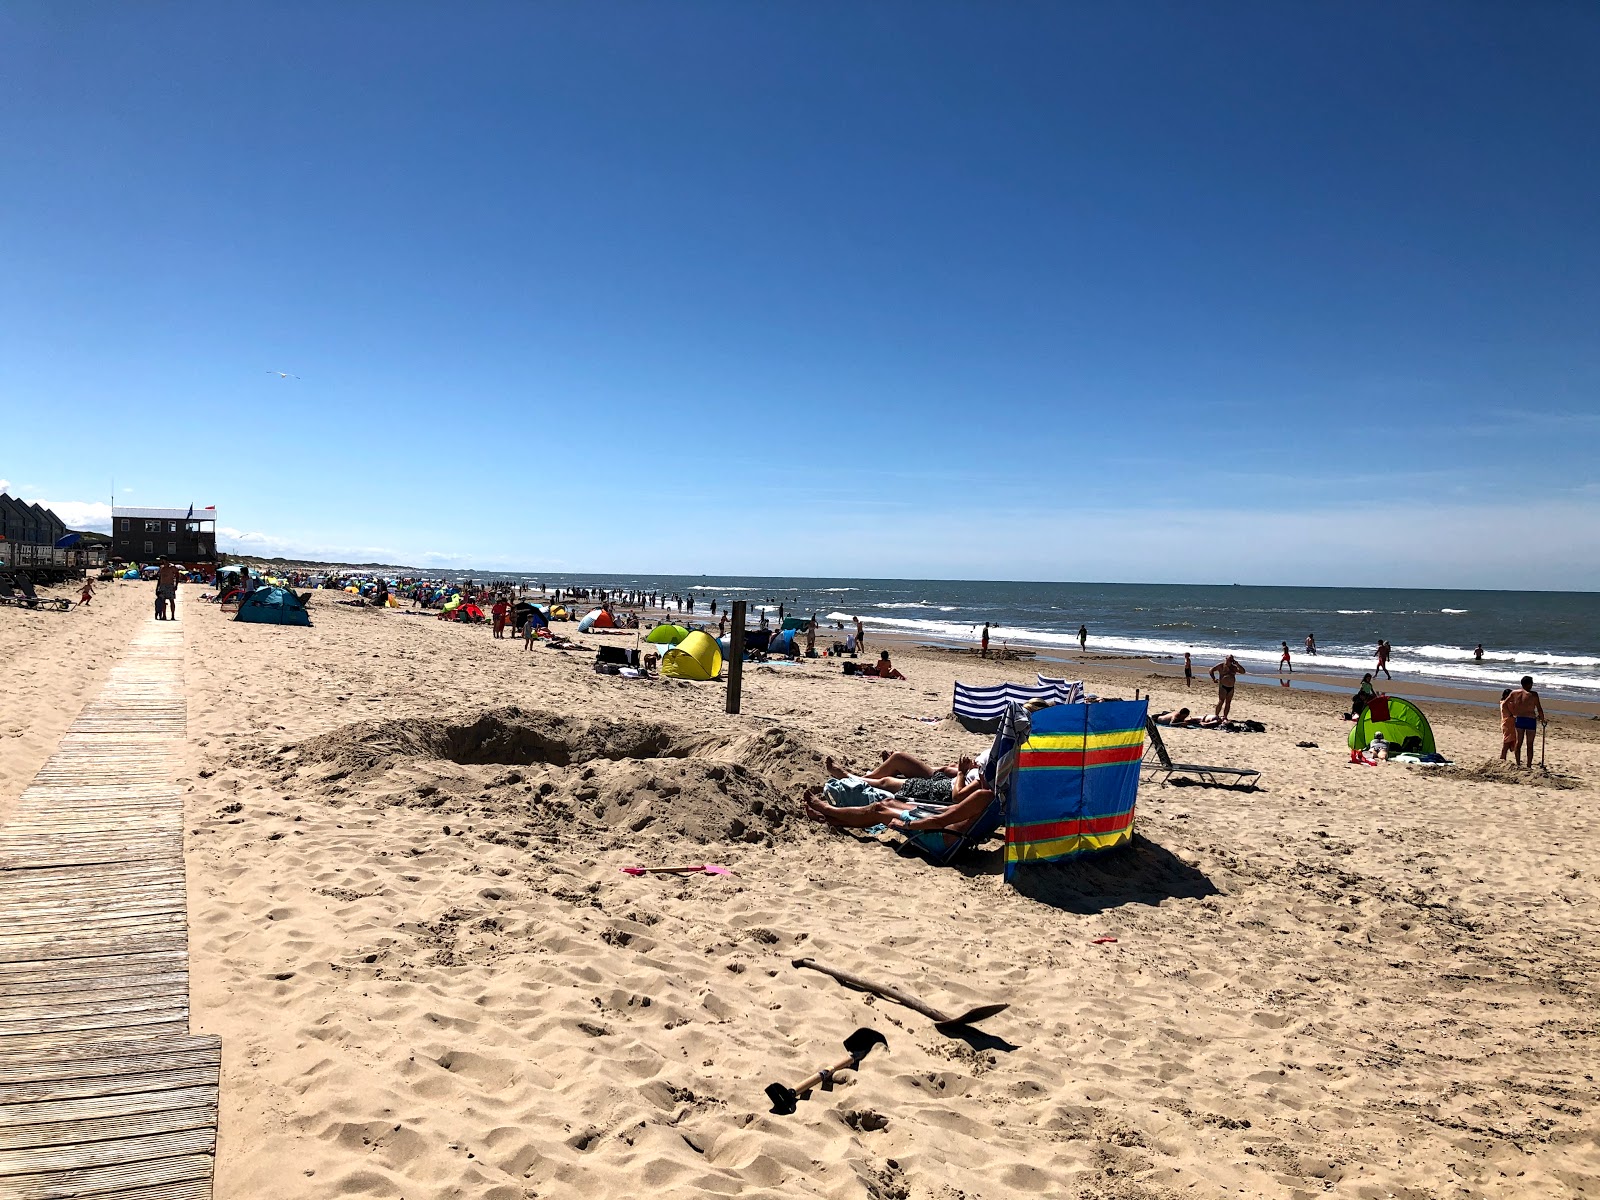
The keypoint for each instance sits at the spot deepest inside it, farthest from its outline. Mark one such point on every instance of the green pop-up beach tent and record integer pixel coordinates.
(1398, 720)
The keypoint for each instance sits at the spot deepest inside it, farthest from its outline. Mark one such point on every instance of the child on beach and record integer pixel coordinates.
(1527, 714)
(1508, 727)
(1284, 661)
(1188, 669)
(87, 594)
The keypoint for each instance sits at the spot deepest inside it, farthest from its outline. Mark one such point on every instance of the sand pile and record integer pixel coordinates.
(1493, 770)
(535, 774)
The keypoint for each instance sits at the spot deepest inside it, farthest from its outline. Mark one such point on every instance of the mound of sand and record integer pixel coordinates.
(572, 776)
(1492, 770)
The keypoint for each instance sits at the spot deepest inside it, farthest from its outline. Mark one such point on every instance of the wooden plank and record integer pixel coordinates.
(101, 985)
(108, 1085)
(64, 1137)
(111, 1057)
(135, 963)
(127, 1104)
(150, 1166)
(49, 953)
(147, 1010)
(140, 1000)
(177, 1027)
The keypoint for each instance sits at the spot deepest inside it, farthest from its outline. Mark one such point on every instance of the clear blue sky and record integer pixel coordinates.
(1212, 292)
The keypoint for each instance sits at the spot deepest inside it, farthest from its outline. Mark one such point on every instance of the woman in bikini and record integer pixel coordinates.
(1224, 673)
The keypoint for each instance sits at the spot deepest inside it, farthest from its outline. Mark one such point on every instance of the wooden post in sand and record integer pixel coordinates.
(736, 657)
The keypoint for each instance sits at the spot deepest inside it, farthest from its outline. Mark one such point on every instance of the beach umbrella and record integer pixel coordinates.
(667, 635)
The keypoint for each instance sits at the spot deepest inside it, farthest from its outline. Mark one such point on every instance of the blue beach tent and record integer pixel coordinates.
(273, 606)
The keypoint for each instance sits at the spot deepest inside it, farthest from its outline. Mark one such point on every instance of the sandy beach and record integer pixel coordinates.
(409, 928)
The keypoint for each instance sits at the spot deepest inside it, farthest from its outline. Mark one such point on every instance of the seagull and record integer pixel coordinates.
(283, 375)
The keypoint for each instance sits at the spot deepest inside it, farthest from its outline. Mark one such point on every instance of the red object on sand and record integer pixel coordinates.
(1103, 941)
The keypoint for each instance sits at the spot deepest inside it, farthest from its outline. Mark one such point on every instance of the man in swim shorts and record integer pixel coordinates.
(1224, 674)
(1527, 714)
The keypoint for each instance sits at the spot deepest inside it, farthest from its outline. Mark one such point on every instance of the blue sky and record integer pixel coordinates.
(1229, 292)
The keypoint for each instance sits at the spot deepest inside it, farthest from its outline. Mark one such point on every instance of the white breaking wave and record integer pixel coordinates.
(1434, 662)
(908, 604)
(838, 589)
(1455, 611)
(1355, 612)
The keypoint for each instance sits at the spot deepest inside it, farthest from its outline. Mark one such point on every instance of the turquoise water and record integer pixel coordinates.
(1555, 636)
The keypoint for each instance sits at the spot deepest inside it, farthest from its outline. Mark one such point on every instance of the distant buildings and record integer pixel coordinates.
(29, 524)
(143, 535)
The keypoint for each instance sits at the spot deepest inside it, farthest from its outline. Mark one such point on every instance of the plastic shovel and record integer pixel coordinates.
(705, 868)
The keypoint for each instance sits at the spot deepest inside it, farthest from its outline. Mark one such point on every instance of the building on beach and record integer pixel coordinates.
(29, 524)
(143, 535)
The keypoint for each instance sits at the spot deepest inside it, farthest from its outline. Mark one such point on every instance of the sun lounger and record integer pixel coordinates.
(1216, 776)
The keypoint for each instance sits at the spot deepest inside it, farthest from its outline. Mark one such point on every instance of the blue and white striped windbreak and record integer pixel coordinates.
(990, 703)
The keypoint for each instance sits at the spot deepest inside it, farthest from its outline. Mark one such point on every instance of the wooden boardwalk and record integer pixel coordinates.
(103, 1092)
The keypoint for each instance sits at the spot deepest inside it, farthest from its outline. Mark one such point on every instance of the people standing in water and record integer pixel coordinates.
(1477, 654)
(1284, 661)
(1083, 637)
(1383, 658)
(1527, 714)
(1225, 673)
(1188, 669)
(1311, 643)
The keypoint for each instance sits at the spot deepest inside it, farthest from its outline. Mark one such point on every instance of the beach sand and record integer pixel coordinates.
(409, 928)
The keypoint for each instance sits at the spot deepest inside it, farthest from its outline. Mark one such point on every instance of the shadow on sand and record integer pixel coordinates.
(1144, 873)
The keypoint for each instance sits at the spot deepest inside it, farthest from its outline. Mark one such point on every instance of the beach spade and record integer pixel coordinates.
(857, 1046)
(707, 868)
(943, 1022)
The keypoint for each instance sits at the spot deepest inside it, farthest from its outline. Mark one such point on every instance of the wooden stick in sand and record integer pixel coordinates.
(943, 1022)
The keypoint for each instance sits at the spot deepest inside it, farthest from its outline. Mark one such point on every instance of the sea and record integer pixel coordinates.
(1554, 636)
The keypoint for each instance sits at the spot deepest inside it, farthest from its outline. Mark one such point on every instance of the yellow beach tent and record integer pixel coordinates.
(696, 657)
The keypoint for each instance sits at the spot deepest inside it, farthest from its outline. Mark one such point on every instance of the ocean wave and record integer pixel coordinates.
(1355, 612)
(838, 589)
(908, 604)
(1455, 611)
(1534, 658)
(1445, 663)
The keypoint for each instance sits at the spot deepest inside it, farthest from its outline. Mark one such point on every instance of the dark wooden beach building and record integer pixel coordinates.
(143, 535)
(29, 524)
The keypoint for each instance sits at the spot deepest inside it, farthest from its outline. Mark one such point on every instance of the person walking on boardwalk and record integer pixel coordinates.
(1383, 658)
(1284, 661)
(167, 592)
(1083, 637)
(1188, 669)
(1224, 673)
(1527, 714)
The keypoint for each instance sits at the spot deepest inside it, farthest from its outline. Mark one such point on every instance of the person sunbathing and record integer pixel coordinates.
(967, 800)
(1177, 717)
(886, 669)
(896, 764)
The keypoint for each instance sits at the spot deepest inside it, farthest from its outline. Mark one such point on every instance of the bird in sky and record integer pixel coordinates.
(283, 375)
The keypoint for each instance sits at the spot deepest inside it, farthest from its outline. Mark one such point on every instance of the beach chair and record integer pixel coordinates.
(1215, 776)
(1076, 782)
(943, 847)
